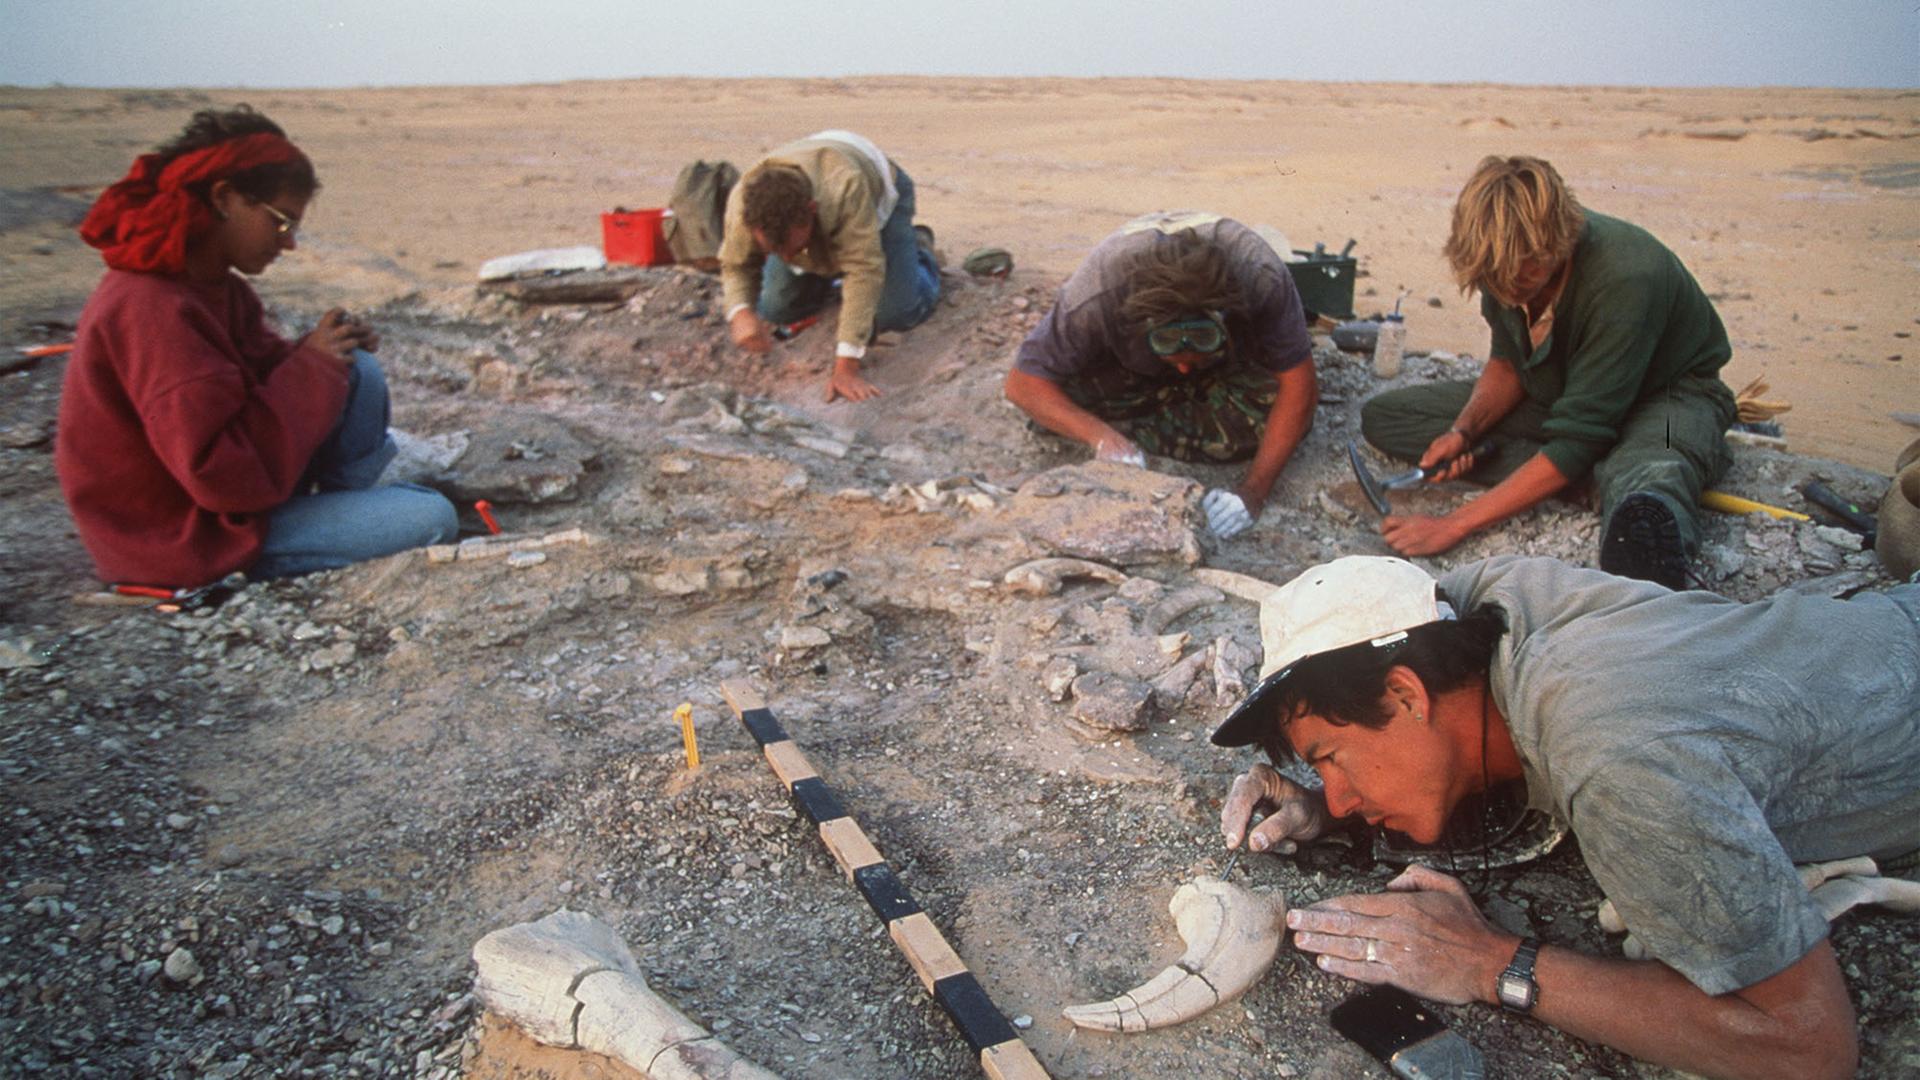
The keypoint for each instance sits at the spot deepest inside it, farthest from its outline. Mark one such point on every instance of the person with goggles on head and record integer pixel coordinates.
(1181, 335)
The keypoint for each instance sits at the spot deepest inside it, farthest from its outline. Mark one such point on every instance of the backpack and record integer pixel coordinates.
(699, 205)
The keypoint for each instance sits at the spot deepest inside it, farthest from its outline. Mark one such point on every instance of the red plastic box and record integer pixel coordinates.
(637, 237)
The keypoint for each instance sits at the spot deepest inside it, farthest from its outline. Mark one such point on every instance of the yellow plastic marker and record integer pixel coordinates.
(1734, 504)
(684, 714)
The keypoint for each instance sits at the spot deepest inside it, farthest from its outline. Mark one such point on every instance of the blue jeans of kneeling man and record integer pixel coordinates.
(912, 288)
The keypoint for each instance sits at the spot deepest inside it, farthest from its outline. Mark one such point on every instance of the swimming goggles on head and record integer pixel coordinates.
(1203, 335)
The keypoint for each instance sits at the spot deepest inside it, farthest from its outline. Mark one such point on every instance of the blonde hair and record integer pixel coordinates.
(1512, 210)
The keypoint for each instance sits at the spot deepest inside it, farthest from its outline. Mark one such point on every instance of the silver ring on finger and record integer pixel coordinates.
(1373, 951)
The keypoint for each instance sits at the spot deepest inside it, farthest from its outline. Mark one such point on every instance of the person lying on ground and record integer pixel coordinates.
(830, 206)
(193, 441)
(1605, 360)
(1698, 748)
(1182, 335)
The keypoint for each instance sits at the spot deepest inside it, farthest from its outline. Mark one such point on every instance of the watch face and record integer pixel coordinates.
(1516, 991)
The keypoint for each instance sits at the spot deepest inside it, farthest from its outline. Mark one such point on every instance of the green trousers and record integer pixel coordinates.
(1672, 444)
(1214, 415)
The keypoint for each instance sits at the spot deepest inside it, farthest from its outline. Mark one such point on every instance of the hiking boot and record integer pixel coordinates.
(923, 239)
(1642, 541)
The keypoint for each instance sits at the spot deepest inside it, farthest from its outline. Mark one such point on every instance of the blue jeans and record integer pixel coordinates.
(341, 518)
(912, 288)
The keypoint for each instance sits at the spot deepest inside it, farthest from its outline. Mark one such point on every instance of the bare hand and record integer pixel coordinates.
(846, 381)
(1294, 814)
(1452, 448)
(1116, 447)
(1423, 935)
(1420, 534)
(751, 332)
(339, 333)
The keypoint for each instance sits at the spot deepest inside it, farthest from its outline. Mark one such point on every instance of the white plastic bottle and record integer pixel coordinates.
(1390, 345)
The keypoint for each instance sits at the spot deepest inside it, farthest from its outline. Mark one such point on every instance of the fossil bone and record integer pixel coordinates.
(1836, 887)
(1043, 577)
(569, 981)
(1232, 934)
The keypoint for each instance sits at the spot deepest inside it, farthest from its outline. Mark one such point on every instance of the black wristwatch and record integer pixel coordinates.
(1516, 987)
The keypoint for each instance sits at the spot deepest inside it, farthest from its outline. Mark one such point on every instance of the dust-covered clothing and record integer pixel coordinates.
(183, 419)
(1625, 384)
(1700, 747)
(1085, 329)
(1213, 415)
(1087, 347)
(857, 192)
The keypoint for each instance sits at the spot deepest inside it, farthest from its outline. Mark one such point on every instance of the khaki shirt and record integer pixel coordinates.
(846, 239)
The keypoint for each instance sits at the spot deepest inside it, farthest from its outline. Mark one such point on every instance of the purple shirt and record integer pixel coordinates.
(1085, 326)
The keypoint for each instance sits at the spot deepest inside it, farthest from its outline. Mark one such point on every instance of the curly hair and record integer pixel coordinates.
(209, 127)
(1349, 685)
(1182, 273)
(1512, 210)
(776, 198)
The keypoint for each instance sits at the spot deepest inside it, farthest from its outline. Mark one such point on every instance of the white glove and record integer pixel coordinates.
(1227, 515)
(1120, 452)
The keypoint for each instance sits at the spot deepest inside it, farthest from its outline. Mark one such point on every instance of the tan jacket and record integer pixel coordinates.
(846, 243)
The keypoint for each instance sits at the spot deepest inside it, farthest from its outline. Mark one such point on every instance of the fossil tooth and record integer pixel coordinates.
(1232, 935)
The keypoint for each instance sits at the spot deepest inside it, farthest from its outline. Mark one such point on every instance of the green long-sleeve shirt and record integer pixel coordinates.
(1630, 323)
(846, 241)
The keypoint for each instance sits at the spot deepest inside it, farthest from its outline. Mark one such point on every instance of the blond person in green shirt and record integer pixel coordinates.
(1604, 362)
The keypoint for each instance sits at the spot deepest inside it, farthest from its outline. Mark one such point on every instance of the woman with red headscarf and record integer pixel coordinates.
(193, 441)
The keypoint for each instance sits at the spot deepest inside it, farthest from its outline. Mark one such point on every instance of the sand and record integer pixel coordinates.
(1796, 209)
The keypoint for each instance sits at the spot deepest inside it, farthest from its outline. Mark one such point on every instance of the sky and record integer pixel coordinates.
(336, 43)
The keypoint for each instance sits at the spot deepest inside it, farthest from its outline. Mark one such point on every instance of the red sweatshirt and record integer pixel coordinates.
(183, 420)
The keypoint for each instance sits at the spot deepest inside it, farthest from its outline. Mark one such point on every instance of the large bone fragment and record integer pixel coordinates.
(1232, 936)
(1044, 577)
(1836, 888)
(568, 980)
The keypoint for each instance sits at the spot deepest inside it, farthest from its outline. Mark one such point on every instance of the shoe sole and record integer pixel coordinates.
(1643, 541)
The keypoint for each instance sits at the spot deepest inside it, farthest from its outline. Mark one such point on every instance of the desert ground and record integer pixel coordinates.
(327, 789)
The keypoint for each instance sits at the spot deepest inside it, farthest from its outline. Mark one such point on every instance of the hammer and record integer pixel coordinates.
(1377, 489)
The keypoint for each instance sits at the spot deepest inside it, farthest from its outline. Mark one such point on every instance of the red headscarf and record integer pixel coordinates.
(144, 221)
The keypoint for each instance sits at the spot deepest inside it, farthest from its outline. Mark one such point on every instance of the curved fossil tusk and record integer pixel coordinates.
(1043, 577)
(1232, 935)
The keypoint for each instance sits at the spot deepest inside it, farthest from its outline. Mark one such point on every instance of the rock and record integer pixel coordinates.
(181, 966)
(520, 560)
(179, 821)
(1109, 702)
(332, 925)
(1114, 514)
(523, 458)
(802, 638)
(20, 654)
(1058, 677)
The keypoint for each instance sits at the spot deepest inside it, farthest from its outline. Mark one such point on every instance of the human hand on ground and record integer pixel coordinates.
(1227, 514)
(1118, 448)
(1423, 935)
(1420, 534)
(846, 381)
(338, 334)
(750, 331)
(1294, 814)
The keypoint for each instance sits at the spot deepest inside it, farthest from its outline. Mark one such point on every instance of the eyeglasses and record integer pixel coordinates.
(288, 225)
(1202, 336)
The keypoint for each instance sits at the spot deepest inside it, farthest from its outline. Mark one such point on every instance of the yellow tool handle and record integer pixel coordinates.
(1734, 504)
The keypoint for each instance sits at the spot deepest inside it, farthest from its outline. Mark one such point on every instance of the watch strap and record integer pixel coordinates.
(1520, 968)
